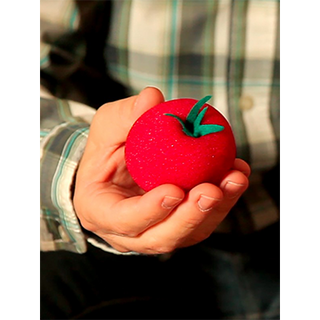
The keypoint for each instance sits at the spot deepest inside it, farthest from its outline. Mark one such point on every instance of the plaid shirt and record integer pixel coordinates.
(227, 48)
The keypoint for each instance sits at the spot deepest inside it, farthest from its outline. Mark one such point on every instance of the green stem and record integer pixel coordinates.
(193, 127)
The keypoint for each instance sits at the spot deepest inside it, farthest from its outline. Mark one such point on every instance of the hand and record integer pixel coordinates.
(110, 204)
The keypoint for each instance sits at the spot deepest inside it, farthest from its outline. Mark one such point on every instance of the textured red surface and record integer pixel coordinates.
(158, 151)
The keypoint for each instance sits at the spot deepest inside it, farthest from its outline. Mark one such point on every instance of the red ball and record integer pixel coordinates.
(183, 142)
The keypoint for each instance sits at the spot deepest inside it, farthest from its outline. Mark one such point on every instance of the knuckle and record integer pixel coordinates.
(126, 231)
(190, 224)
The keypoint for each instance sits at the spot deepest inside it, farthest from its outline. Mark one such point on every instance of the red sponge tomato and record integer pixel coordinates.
(183, 142)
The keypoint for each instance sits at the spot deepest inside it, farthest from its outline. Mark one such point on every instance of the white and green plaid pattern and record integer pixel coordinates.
(187, 48)
(63, 138)
(194, 48)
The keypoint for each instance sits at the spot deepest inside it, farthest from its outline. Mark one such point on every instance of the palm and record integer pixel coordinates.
(120, 180)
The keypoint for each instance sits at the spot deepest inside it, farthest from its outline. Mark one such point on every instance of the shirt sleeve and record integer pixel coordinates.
(63, 138)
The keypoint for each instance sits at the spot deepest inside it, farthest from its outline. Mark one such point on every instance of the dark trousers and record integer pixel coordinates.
(224, 277)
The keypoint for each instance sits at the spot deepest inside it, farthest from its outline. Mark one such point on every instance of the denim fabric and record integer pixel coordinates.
(224, 277)
(237, 278)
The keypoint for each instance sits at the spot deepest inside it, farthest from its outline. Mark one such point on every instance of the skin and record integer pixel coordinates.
(110, 204)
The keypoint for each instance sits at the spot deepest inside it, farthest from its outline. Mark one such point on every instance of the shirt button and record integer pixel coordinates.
(246, 103)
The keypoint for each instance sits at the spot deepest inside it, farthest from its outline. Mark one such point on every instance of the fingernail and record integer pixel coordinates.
(137, 99)
(206, 203)
(233, 190)
(170, 202)
(151, 86)
(155, 87)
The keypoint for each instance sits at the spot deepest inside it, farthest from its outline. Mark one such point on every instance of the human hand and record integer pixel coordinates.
(110, 204)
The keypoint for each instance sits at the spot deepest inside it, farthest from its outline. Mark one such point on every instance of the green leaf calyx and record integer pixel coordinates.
(192, 126)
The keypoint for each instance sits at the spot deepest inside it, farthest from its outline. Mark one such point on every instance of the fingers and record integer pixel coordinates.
(132, 216)
(148, 98)
(242, 166)
(233, 186)
(113, 120)
(191, 213)
(192, 221)
(108, 132)
(177, 226)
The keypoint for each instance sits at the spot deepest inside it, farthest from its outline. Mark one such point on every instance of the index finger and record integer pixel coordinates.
(108, 133)
(113, 120)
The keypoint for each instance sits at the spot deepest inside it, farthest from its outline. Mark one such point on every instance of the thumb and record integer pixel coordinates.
(113, 120)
